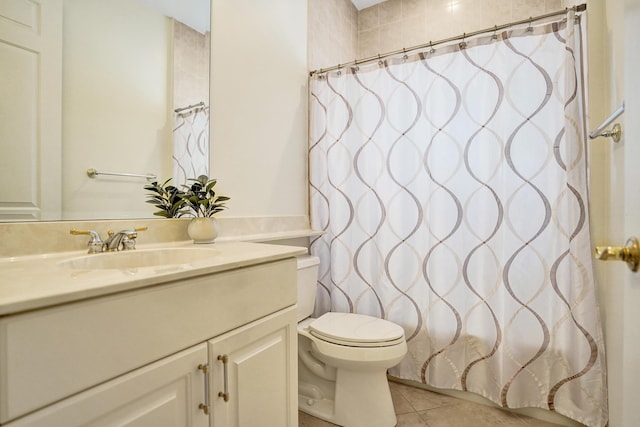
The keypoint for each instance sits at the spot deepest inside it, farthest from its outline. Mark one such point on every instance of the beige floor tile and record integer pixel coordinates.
(416, 407)
(411, 420)
(306, 420)
(400, 403)
(422, 400)
(532, 422)
(471, 415)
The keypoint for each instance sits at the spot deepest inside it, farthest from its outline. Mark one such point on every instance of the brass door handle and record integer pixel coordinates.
(629, 253)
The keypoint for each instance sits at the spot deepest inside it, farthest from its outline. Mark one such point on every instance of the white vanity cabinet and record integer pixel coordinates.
(149, 356)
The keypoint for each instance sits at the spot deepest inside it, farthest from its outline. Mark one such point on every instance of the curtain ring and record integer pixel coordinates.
(530, 27)
(495, 33)
(431, 49)
(463, 44)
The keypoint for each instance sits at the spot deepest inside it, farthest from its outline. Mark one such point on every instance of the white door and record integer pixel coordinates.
(30, 109)
(631, 164)
(620, 287)
(166, 393)
(254, 378)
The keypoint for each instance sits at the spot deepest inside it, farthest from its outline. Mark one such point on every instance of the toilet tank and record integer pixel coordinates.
(307, 284)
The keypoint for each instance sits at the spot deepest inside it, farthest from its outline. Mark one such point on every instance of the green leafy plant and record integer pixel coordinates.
(198, 199)
(167, 198)
(201, 199)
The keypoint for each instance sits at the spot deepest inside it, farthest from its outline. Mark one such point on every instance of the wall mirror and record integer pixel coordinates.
(94, 84)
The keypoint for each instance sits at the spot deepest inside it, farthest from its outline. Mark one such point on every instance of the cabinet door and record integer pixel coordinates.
(256, 366)
(166, 393)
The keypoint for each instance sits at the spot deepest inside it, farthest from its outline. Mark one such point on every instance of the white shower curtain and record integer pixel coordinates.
(452, 186)
(190, 145)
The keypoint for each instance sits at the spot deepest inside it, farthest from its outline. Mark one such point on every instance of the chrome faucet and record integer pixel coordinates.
(123, 240)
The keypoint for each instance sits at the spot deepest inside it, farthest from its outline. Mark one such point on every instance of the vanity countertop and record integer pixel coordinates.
(33, 282)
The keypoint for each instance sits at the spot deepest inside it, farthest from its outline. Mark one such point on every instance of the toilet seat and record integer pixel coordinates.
(356, 330)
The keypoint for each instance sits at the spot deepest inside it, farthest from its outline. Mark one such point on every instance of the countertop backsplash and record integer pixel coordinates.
(32, 238)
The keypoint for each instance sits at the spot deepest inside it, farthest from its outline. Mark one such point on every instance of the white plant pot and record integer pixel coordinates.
(203, 230)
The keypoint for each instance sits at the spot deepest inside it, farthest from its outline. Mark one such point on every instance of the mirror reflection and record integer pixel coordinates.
(90, 84)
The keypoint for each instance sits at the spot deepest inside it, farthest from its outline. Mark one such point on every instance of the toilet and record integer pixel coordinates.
(343, 360)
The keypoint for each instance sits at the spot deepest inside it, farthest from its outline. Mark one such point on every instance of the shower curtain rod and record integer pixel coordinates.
(577, 8)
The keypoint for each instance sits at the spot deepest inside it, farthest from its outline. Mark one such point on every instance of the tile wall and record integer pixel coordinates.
(191, 66)
(395, 24)
(332, 33)
(339, 33)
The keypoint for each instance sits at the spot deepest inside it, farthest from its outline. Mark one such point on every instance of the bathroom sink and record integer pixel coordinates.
(138, 259)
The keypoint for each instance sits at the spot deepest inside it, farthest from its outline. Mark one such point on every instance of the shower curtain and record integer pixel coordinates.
(452, 186)
(190, 145)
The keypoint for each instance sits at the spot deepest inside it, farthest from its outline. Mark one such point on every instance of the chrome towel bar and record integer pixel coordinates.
(92, 173)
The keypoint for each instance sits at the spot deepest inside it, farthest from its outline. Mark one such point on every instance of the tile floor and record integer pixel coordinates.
(421, 408)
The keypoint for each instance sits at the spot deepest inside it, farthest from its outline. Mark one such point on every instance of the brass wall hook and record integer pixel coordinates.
(629, 253)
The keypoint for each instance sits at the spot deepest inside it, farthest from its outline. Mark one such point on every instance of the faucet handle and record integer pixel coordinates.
(129, 240)
(95, 242)
(130, 232)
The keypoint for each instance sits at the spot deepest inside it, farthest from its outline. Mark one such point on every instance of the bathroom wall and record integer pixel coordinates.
(605, 92)
(116, 111)
(259, 105)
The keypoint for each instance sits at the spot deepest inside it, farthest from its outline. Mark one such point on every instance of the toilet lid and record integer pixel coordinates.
(356, 330)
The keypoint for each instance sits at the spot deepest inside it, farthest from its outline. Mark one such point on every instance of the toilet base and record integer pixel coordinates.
(319, 408)
(364, 401)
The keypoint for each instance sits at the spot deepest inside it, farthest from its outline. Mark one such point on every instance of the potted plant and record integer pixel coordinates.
(198, 200)
(201, 201)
